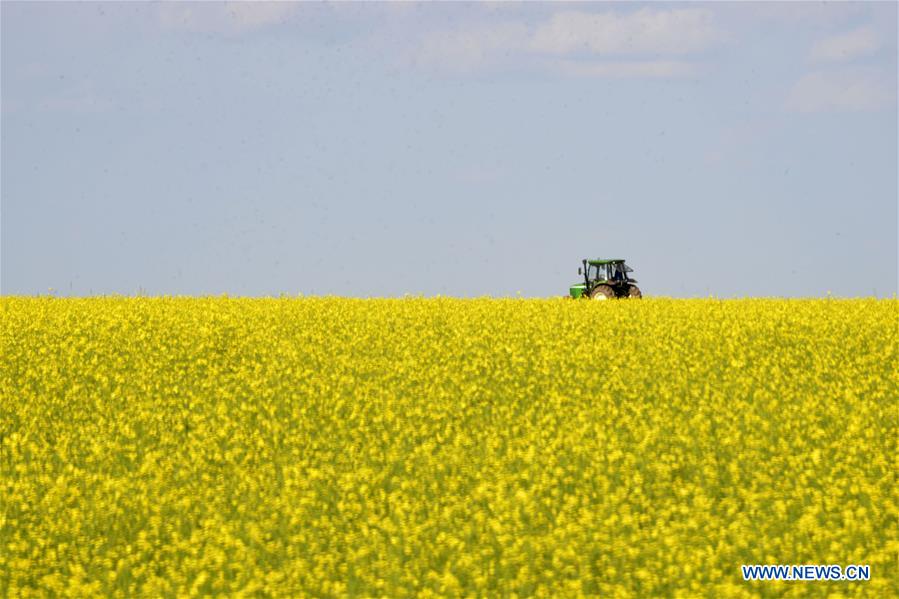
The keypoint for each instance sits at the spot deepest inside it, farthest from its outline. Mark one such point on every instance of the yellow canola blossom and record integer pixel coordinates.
(440, 447)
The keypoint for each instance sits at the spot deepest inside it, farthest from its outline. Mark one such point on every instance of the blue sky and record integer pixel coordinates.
(456, 149)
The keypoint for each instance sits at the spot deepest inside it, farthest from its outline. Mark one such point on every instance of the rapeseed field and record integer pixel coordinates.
(437, 447)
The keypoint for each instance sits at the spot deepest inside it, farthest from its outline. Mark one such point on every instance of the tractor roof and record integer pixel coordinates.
(600, 261)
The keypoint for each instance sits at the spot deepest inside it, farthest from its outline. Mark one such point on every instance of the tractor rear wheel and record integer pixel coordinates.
(602, 292)
(633, 292)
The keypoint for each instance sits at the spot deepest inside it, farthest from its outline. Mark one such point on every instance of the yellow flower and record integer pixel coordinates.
(443, 447)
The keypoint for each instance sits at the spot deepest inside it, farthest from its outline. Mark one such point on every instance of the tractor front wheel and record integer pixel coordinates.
(602, 292)
(633, 292)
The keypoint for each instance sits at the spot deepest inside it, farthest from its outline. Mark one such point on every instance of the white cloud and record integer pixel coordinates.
(796, 13)
(223, 17)
(626, 69)
(846, 46)
(845, 89)
(252, 15)
(466, 49)
(647, 31)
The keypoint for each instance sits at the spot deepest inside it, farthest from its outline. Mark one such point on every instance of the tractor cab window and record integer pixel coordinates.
(597, 272)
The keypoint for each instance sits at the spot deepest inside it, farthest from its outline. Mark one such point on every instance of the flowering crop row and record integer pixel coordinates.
(441, 447)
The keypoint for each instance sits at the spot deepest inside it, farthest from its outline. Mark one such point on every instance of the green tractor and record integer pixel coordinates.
(605, 279)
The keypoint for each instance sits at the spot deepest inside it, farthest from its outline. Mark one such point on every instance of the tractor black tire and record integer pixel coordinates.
(602, 292)
(633, 292)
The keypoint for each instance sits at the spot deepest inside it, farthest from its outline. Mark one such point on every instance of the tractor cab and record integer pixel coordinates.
(600, 272)
(605, 279)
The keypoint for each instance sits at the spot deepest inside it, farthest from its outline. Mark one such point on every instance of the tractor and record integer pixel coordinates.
(605, 279)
